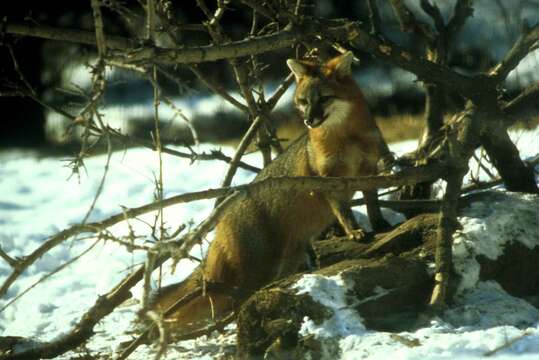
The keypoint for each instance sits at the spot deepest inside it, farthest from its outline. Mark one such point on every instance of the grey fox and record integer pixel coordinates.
(264, 234)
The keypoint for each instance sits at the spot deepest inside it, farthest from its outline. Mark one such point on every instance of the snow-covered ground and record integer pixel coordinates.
(39, 198)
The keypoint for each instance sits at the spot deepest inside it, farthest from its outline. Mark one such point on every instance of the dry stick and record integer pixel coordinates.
(523, 46)
(434, 205)
(434, 12)
(446, 227)
(320, 184)
(137, 54)
(151, 19)
(482, 166)
(150, 261)
(279, 92)
(505, 157)
(408, 22)
(180, 113)
(462, 11)
(99, 29)
(241, 76)
(187, 244)
(218, 89)
(11, 262)
(261, 9)
(374, 17)
(240, 73)
(163, 343)
(204, 227)
(26, 261)
(242, 147)
(68, 35)
(218, 325)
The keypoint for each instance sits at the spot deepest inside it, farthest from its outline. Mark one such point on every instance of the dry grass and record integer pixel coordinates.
(400, 127)
(394, 128)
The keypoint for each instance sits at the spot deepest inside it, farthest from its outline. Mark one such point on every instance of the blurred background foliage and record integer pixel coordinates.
(60, 74)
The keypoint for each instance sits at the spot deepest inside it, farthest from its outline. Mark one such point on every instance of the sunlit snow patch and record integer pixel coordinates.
(483, 320)
(488, 226)
(330, 292)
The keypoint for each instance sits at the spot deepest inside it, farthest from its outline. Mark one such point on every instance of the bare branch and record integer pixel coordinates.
(68, 35)
(434, 12)
(231, 50)
(261, 9)
(408, 22)
(345, 31)
(448, 223)
(137, 54)
(218, 89)
(396, 55)
(374, 17)
(242, 147)
(203, 228)
(462, 11)
(274, 99)
(525, 105)
(11, 262)
(523, 46)
(99, 29)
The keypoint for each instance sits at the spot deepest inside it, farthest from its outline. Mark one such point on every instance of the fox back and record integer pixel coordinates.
(265, 233)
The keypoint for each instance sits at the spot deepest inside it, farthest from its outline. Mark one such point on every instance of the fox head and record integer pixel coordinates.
(323, 92)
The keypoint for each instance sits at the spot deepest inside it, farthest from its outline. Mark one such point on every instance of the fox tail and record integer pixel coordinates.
(189, 305)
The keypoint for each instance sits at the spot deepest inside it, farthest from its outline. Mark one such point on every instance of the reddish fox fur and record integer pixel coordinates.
(265, 233)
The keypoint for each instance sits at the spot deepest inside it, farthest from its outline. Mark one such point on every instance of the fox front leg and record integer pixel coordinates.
(346, 219)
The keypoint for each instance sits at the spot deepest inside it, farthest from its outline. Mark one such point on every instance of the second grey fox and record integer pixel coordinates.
(264, 235)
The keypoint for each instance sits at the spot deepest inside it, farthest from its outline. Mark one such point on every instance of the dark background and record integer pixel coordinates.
(484, 39)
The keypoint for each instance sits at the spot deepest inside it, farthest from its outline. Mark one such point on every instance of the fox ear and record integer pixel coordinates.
(343, 64)
(297, 68)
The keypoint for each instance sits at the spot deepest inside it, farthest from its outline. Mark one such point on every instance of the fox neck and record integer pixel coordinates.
(346, 119)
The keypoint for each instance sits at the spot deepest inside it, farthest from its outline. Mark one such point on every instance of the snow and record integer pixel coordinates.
(483, 318)
(331, 292)
(488, 227)
(40, 198)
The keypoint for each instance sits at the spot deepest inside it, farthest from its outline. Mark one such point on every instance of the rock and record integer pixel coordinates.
(383, 283)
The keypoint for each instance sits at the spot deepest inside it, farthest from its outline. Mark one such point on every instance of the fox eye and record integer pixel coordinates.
(326, 98)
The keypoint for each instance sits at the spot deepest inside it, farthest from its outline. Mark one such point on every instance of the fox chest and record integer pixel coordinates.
(346, 160)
